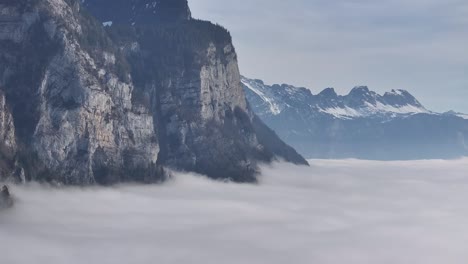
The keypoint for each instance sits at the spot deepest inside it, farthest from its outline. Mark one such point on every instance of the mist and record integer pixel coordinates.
(346, 211)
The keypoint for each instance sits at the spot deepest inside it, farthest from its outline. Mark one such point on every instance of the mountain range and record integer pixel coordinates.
(362, 124)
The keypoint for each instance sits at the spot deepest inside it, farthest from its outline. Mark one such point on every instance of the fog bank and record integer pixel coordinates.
(347, 211)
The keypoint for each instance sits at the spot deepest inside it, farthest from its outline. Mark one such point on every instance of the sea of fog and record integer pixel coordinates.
(335, 212)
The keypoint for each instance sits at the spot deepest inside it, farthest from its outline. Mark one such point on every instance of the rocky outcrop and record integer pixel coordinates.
(7, 127)
(87, 104)
(6, 201)
(8, 146)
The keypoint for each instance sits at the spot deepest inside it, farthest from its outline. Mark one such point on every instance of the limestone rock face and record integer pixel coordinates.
(74, 115)
(83, 103)
(7, 127)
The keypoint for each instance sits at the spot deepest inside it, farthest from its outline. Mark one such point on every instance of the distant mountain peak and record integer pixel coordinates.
(328, 92)
(360, 89)
(401, 98)
(359, 102)
(398, 91)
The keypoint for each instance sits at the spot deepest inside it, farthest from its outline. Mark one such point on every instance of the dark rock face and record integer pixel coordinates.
(362, 124)
(6, 201)
(85, 104)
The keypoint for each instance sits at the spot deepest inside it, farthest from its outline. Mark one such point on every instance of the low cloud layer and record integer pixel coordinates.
(353, 212)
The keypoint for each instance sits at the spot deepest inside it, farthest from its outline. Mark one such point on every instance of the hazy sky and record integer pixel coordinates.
(335, 212)
(417, 45)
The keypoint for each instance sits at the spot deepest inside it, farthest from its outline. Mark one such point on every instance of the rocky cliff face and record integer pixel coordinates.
(72, 113)
(86, 104)
(186, 70)
(8, 144)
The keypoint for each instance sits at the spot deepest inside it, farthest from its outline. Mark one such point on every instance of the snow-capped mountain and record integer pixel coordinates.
(361, 124)
(360, 102)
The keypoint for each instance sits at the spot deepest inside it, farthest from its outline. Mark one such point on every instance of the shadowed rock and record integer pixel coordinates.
(6, 200)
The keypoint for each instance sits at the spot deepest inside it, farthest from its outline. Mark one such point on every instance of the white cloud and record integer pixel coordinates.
(350, 211)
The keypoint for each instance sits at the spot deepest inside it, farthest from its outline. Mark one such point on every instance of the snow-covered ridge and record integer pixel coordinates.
(267, 97)
(360, 102)
(346, 112)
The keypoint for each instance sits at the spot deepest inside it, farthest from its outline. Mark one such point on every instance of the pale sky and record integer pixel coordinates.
(417, 45)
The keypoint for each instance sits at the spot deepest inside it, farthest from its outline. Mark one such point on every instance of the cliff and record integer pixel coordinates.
(85, 103)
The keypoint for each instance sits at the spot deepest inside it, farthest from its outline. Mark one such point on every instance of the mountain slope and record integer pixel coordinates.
(86, 103)
(134, 12)
(361, 124)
